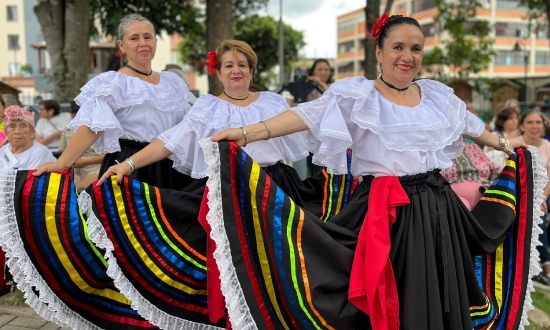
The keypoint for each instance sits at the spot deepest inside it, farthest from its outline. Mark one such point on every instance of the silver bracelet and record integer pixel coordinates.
(268, 129)
(132, 164)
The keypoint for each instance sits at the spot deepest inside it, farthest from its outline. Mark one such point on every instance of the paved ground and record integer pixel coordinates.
(25, 318)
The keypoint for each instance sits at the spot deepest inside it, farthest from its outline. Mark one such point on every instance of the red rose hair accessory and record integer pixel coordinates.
(212, 60)
(377, 27)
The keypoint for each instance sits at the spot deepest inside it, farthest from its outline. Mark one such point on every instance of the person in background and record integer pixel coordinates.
(514, 104)
(321, 75)
(472, 172)
(22, 151)
(507, 123)
(51, 123)
(510, 103)
(86, 168)
(3, 136)
(122, 111)
(533, 125)
(506, 126)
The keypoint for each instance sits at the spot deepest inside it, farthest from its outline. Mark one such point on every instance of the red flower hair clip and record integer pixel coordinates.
(212, 60)
(377, 27)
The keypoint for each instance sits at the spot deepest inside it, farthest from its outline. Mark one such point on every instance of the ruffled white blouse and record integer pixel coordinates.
(209, 115)
(386, 139)
(125, 107)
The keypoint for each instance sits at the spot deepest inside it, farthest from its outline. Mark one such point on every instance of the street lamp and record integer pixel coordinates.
(520, 47)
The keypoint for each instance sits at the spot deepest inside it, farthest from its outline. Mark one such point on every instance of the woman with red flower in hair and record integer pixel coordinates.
(413, 264)
(234, 63)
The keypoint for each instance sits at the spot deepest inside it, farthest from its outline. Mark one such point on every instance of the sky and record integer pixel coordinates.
(317, 20)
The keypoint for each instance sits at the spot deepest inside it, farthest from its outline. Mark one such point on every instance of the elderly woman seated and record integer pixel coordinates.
(22, 151)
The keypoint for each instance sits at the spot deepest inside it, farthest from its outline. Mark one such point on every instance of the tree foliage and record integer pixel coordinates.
(465, 48)
(173, 16)
(539, 14)
(261, 33)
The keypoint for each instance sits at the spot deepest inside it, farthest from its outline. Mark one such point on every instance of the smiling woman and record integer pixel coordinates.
(411, 266)
(121, 112)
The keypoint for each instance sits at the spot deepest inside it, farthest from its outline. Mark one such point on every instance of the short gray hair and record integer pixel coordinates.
(129, 19)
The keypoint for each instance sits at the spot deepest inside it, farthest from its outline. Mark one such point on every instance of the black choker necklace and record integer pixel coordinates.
(139, 72)
(236, 98)
(400, 90)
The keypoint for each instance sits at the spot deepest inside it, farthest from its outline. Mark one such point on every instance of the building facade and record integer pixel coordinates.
(521, 58)
(25, 63)
(19, 28)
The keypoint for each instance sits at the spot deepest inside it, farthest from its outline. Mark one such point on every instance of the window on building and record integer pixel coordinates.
(542, 34)
(346, 27)
(13, 42)
(509, 58)
(12, 13)
(517, 30)
(510, 5)
(421, 5)
(428, 29)
(542, 58)
(346, 47)
(345, 68)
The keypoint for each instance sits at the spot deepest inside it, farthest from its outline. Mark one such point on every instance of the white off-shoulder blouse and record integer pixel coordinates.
(386, 139)
(209, 115)
(125, 107)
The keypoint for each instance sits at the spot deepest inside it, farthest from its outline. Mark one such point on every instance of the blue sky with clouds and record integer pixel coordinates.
(317, 19)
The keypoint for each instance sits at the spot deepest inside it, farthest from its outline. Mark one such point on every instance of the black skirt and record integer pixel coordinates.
(292, 270)
(160, 174)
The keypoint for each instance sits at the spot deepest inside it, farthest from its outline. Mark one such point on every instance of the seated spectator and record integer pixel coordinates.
(86, 168)
(471, 173)
(533, 124)
(22, 151)
(507, 126)
(51, 123)
(507, 123)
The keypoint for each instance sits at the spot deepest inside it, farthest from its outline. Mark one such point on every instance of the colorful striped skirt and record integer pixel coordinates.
(281, 267)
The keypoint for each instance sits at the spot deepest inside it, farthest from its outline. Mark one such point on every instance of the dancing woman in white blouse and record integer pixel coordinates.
(406, 130)
(234, 64)
(121, 112)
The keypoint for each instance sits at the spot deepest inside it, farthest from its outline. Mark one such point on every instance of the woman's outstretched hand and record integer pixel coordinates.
(231, 134)
(49, 167)
(514, 144)
(120, 170)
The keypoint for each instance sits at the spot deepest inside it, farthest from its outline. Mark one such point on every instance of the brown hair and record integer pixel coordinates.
(236, 46)
(502, 116)
(51, 105)
(2, 101)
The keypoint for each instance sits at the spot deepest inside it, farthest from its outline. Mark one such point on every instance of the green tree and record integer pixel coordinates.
(261, 33)
(539, 14)
(466, 47)
(66, 25)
